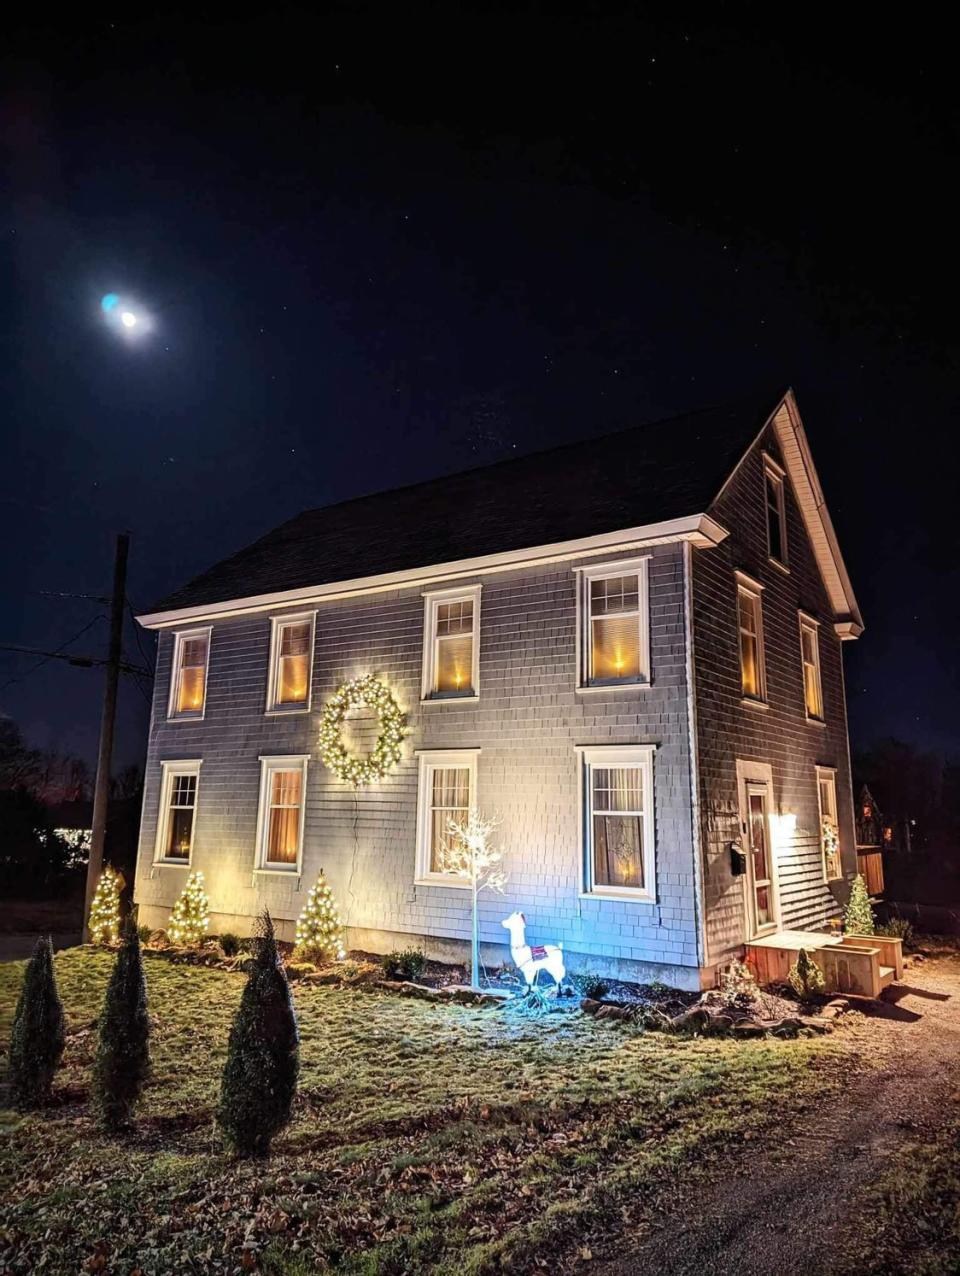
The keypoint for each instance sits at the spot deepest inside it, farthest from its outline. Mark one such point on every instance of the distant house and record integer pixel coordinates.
(629, 649)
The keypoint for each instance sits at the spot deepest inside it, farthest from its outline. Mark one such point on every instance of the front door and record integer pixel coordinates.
(761, 888)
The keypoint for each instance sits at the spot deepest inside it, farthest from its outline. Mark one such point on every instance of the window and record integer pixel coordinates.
(617, 785)
(810, 663)
(776, 511)
(291, 661)
(188, 680)
(280, 821)
(178, 806)
(750, 625)
(829, 825)
(447, 792)
(614, 629)
(451, 645)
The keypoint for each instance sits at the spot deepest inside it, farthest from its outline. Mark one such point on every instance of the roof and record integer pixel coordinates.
(644, 475)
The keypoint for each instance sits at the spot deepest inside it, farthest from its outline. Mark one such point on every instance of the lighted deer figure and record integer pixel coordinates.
(530, 961)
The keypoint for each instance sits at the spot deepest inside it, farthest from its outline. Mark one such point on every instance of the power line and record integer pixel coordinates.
(83, 662)
(47, 655)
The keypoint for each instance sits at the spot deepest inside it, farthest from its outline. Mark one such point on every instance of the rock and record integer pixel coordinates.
(420, 991)
(747, 1028)
(297, 970)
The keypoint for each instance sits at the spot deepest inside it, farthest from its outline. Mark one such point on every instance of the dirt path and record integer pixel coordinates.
(792, 1209)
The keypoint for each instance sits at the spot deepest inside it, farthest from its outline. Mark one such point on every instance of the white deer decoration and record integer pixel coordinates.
(530, 961)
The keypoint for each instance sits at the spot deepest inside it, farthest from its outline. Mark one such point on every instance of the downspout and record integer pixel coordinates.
(694, 754)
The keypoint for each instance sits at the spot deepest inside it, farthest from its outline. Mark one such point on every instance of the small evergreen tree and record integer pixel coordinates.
(805, 977)
(858, 916)
(190, 914)
(320, 930)
(123, 1051)
(105, 908)
(36, 1041)
(263, 1061)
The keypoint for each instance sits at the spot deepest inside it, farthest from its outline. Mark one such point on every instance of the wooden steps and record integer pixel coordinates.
(859, 965)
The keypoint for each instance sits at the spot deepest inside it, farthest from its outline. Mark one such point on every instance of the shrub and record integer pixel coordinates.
(230, 943)
(36, 1040)
(805, 977)
(144, 933)
(897, 928)
(123, 1051)
(263, 1062)
(188, 920)
(737, 985)
(405, 964)
(590, 985)
(320, 930)
(858, 916)
(104, 920)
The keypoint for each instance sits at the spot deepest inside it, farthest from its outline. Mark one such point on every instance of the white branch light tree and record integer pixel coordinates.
(468, 853)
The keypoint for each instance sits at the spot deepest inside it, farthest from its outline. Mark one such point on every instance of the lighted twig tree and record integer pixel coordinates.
(468, 853)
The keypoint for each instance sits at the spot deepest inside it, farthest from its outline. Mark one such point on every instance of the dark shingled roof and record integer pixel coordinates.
(645, 474)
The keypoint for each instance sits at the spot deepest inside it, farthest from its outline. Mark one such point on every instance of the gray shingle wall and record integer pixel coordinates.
(780, 736)
(527, 722)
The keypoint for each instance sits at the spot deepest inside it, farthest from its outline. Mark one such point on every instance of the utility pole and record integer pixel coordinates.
(101, 790)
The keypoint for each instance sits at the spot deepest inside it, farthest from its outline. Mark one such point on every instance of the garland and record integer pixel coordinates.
(366, 692)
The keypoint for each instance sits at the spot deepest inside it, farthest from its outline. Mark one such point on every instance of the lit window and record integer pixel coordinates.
(750, 624)
(618, 821)
(178, 805)
(810, 662)
(614, 633)
(829, 825)
(188, 682)
(451, 647)
(291, 661)
(280, 822)
(776, 511)
(447, 794)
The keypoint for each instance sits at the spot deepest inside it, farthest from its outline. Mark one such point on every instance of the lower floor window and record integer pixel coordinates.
(282, 793)
(447, 795)
(618, 820)
(178, 805)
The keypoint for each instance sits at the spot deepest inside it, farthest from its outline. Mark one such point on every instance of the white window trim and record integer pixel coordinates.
(430, 759)
(809, 624)
(584, 646)
(771, 470)
(431, 601)
(268, 764)
(277, 624)
(640, 755)
(753, 589)
(828, 773)
(168, 770)
(179, 638)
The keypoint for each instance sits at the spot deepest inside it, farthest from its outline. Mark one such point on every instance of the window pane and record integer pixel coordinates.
(295, 639)
(758, 839)
(617, 850)
(191, 689)
(184, 790)
(616, 646)
(179, 833)
(749, 620)
(811, 690)
(294, 679)
(617, 789)
(284, 838)
(455, 664)
(774, 518)
(455, 617)
(285, 788)
(764, 916)
(614, 594)
(450, 800)
(193, 651)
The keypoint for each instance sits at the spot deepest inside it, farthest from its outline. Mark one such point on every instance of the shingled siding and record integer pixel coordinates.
(527, 723)
(781, 735)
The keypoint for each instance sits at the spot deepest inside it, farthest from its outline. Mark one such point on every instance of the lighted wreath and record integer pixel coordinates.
(367, 692)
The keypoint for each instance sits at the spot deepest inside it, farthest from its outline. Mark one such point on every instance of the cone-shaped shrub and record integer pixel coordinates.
(260, 1075)
(805, 977)
(36, 1041)
(188, 918)
(105, 908)
(858, 915)
(320, 930)
(123, 1052)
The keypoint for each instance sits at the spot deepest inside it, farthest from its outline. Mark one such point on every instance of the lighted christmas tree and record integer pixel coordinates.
(858, 915)
(105, 908)
(188, 920)
(320, 930)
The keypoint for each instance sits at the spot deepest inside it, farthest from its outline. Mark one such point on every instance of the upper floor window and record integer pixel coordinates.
(188, 680)
(750, 625)
(447, 794)
(451, 644)
(178, 807)
(618, 821)
(291, 663)
(283, 782)
(810, 663)
(829, 824)
(775, 502)
(614, 625)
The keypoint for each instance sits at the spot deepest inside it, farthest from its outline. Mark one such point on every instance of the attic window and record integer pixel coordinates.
(776, 511)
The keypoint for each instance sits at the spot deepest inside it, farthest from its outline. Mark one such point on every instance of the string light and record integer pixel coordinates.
(105, 908)
(319, 929)
(188, 919)
(370, 693)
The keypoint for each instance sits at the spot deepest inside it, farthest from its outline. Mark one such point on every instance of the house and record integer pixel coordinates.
(628, 649)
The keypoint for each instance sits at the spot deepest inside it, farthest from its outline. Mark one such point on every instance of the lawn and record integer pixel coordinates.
(426, 1138)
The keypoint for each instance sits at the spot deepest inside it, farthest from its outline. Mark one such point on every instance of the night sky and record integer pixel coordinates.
(381, 245)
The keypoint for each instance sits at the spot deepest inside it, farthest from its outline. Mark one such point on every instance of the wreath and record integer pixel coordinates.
(366, 692)
(829, 837)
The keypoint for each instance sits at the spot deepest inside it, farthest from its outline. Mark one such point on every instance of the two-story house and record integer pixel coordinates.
(627, 649)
